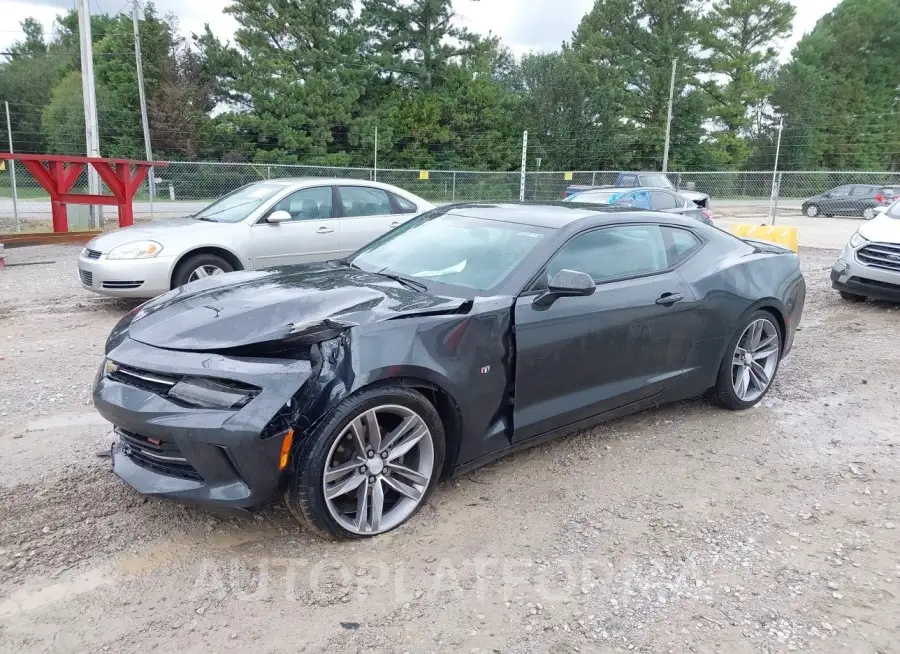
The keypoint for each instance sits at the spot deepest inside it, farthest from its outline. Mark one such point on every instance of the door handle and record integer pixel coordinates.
(396, 223)
(324, 230)
(668, 299)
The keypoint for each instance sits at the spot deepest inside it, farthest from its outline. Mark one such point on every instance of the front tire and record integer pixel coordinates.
(199, 266)
(750, 363)
(812, 210)
(852, 297)
(370, 466)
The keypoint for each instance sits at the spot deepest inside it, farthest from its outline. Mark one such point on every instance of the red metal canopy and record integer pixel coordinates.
(57, 174)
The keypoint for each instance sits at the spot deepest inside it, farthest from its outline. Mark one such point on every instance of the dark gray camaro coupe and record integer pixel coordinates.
(470, 332)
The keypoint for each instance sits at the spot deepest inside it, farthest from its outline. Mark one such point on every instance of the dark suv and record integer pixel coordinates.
(851, 200)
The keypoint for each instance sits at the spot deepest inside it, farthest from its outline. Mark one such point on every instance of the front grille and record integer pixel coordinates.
(87, 277)
(91, 254)
(156, 454)
(880, 255)
(122, 286)
(149, 381)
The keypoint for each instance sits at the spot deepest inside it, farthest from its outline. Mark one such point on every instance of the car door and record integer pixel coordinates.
(630, 340)
(836, 200)
(663, 201)
(312, 234)
(862, 197)
(366, 214)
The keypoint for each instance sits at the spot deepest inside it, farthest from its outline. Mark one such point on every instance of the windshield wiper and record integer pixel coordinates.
(204, 218)
(408, 283)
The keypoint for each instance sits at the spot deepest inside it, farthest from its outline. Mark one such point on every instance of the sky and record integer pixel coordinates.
(524, 25)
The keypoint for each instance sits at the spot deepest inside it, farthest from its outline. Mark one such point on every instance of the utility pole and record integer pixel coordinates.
(12, 170)
(775, 190)
(151, 179)
(91, 130)
(665, 166)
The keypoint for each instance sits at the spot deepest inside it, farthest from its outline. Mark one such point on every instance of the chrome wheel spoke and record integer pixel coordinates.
(377, 504)
(400, 431)
(344, 487)
(408, 443)
(403, 489)
(761, 355)
(759, 375)
(339, 472)
(373, 431)
(743, 381)
(362, 506)
(413, 475)
(217, 271)
(357, 432)
(200, 273)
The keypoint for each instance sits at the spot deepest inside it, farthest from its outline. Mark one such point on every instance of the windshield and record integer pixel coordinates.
(656, 181)
(894, 210)
(239, 204)
(596, 197)
(451, 249)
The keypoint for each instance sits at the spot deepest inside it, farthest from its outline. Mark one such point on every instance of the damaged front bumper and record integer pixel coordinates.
(169, 447)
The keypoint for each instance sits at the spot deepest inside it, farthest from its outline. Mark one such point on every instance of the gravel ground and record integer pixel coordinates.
(686, 528)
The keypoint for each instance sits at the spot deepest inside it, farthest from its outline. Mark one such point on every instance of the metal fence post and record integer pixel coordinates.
(594, 178)
(775, 195)
(453, 197)
(524, 164)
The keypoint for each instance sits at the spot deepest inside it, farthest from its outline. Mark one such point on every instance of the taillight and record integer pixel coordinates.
(879, 198)
(707, 213)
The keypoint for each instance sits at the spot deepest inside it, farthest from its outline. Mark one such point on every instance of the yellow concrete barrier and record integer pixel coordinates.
(785, 236)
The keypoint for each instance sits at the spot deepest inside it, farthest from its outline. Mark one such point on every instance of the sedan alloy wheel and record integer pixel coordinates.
(812, 210)
(378, 469)
(204, 271)
(755, 360)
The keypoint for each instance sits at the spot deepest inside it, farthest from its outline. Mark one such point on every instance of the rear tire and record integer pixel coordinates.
(730, 392)
(332, 446)
(190, 269)
(852, 297)
(868, 213)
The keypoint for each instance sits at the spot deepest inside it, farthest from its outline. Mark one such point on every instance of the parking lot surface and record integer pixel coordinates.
(686, 528)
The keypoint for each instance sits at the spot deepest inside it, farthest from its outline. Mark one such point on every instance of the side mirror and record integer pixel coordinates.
(279, 216)
(566, 283)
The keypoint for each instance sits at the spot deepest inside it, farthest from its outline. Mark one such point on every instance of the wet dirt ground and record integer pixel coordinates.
(686, 528)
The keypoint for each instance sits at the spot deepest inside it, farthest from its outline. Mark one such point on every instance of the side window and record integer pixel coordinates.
(863, 191)
(613, 252)
(308, 204)
(627, 180)
(403, 204)
(364, 201)
(680, 244)
(840, 192)
(662, 200)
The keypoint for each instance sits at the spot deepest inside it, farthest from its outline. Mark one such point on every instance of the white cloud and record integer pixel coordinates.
(523, 25)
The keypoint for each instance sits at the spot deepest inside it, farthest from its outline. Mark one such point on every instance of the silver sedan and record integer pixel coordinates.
(265, 224)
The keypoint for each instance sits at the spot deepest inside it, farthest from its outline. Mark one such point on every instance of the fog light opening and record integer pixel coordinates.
(286, 449)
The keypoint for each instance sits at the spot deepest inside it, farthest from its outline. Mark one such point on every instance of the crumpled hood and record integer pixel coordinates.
(882, 228)
(245, 308)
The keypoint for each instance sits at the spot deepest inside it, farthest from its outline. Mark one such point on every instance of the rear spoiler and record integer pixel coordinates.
(767, 246)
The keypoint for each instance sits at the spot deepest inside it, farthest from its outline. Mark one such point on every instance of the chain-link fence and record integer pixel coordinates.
(183, 188)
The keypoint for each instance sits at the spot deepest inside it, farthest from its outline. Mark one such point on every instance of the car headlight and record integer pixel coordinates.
(211, 394)
(858, 240)
(136, 250)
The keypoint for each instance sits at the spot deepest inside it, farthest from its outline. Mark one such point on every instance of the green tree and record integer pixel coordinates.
(742, 38)
(413, 41)
(293, 76)
(838, 94)
(33, 45)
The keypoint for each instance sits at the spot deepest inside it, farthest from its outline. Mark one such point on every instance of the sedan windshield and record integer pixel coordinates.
(239, 204)
(894, 210)
(656, 181)
(451, 249)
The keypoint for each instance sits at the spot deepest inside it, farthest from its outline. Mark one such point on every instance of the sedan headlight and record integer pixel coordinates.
(858, 240)
(136, 250)
(211, 394)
